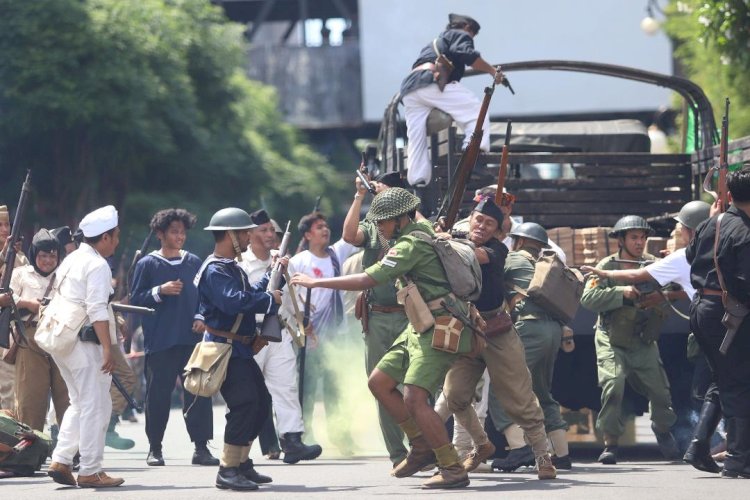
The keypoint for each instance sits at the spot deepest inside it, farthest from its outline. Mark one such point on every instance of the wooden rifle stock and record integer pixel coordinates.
(451, 204)
(503, 173)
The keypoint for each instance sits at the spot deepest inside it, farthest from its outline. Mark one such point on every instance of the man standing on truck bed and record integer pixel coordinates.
(626, 331)
(422, 90)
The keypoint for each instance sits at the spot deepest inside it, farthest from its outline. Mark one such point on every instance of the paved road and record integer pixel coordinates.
(639, 476)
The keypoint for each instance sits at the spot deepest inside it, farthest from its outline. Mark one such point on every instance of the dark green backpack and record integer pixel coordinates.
(22, 449)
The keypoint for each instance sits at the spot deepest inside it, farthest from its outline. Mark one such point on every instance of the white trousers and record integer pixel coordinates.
(457, 101)
(278, 362)
(85, 421)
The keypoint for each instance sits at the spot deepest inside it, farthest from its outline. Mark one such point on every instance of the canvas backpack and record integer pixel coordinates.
(459, 262)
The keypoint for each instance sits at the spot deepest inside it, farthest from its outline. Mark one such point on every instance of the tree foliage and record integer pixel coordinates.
(712, 40)
(143, 105)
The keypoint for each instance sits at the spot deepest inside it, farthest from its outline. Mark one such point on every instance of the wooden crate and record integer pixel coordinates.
(655, 244)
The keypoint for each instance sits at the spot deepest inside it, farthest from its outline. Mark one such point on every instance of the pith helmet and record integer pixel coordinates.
(230, 218)
(392, 203)
(693, 213)
(532, 231)
(629, 222)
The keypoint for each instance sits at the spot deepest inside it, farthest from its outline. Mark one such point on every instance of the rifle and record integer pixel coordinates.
(361, 174)
(721, 193)
(10, 313)
(500, 198)
(138, 255)
(449, 208)
(270, 330)
(303, 349)
(301, 245)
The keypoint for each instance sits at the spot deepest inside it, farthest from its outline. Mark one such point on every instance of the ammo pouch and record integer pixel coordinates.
(443, 68)
(416, 309)
(447, 334)
(88, 334)
(360, 311)
(734, 312)
(498, 323)
(651, 330)
(620, 324)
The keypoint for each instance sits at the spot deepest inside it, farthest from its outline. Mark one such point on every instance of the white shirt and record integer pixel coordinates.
(84, 277)
(674, 268)
(27, 284)
(255, 270)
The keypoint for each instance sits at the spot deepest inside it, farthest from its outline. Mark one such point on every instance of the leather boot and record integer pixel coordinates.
(478, 455)
(452, 476)
(99, 480)
(420, 456)
(230, 478)
(608, 455)
(247, 469)
(698, 453)
(201, 455)
(113, 439)
(545, 469)
(667, 444)
(295, 450)
(61, 473)
(519, 457)
(737, 463)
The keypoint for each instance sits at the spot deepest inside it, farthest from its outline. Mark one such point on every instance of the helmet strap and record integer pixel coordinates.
(235, 244)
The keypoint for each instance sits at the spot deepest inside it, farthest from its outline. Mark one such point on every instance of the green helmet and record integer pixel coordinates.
(627, 223)
(693, 213)
(230, 218)
(532, 231)
(392, 203)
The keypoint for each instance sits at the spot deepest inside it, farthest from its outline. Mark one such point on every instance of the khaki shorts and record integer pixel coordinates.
(412, 360)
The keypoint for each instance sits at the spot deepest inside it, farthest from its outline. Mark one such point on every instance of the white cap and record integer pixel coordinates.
(99, 221)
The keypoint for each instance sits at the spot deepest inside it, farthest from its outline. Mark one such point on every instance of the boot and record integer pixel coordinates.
(478, 455)
(61, 473)
(667, 444)
(99, 480)
(113, 439)
(562, 462)
(155, 457)
(452, 476)
(544, 467)
(698, 453)
(609, 455)
(420, 456)
(295, 450)
(230, 478)
(737, 463)
(515, 459)
(248, 470)
(201, 455)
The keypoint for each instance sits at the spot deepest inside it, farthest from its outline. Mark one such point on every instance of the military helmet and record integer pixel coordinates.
(392, 203)
(532, 231)
(693, 213)
(230, 218)
(627, 223)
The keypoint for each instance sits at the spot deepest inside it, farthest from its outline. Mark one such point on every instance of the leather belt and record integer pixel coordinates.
(708, 291)
(386, 309)
(242, 339)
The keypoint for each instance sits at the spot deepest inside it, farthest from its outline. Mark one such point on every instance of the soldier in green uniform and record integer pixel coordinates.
(540, 334)
(383, 319)
(625, 339)
(411, 360)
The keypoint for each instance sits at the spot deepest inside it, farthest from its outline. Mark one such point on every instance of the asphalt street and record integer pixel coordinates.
(641, 475)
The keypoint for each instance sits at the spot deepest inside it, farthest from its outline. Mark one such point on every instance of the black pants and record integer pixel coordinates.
(731, 372)
(162, 370)
(248, 401)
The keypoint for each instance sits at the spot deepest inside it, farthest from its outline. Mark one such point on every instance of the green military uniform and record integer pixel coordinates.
(386, 321)
(625, 350)
(540, 335)
(411, 359)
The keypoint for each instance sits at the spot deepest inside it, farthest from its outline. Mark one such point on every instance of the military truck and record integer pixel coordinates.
(580, 175)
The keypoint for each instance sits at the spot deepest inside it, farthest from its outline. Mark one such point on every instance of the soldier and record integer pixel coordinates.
(227, 305)
(383, 319)
(731, 371)
(540, 334)
(163, 280)
(626, 350)
(277, 361)
(411, 360)
(503, 357)
(676, 269)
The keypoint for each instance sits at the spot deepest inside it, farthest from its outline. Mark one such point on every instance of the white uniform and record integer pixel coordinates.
(674, 268)
(277, 361)
(84, 277)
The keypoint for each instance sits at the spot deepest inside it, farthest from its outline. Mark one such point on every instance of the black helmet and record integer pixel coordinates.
(693, 213)
(629, 222)
(532, 231)
(230, 218)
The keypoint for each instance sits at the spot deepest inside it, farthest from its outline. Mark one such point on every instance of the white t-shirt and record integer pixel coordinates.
(321, 299)
(673, 268)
